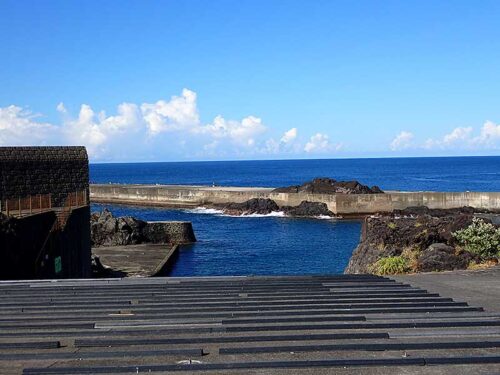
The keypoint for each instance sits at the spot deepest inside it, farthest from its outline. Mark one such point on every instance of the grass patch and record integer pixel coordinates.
(481, 266)
(390, 266)
(411, 255)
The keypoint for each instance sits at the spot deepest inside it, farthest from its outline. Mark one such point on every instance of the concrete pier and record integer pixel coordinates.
(141, 260)
(341, 204)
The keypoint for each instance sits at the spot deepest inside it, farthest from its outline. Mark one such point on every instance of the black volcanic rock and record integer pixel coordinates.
(424, 210)
(441, 257)
(107, 230)
(324, 185)
(259, 206)
(414, 229)
(306, 208)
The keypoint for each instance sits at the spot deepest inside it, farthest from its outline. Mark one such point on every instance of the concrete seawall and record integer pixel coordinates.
(342, 204)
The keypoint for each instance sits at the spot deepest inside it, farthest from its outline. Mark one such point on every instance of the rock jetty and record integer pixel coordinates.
(321, 185)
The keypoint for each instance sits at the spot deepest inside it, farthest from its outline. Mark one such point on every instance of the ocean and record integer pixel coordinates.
(275, 245)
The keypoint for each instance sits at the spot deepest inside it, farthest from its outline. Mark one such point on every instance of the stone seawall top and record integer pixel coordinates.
(341, 204)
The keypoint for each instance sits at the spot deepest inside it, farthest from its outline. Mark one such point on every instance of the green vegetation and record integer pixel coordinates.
(411, 254)
(479, 238)
(391, 225)
(482, 265)
(390, 265)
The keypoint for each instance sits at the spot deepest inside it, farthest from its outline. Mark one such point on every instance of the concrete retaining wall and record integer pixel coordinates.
(178, 232)
(354, 204)
(30, 247)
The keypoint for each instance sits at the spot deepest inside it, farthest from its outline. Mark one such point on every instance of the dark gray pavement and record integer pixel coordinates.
(478, 288)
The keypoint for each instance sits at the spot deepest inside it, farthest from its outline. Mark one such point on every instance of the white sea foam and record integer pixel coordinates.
(324, 217)
(204, 210)
(273, 213)
(214, 211)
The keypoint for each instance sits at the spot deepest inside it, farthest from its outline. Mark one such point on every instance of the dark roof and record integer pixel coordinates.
(262, 325)
(43, 153)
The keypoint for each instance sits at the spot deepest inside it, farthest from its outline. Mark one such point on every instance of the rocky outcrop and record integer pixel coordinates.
(309, 209)
(414, 234)
(442, 257)
(106, 230)
(324, 185)
(258, 206)
(261, 206)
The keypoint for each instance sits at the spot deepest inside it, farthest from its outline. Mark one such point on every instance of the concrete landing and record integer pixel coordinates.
(135, 260)
(481, 287)
(345, 324)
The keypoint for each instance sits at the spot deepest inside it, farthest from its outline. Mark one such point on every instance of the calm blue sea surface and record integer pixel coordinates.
(286, 246)
(435, 174)
(256, 245)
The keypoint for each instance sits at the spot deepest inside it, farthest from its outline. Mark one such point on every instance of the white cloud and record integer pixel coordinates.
(403, 140)
(179, 113)
(289, 136)
(163, 129)
(85, 130)
(96, 132)
(318, 143)
(463, 138)
(61, 108)
(19, 127)
(458, 134)
(490, 135)
(286, 144)
(271, 147)
(242, 132)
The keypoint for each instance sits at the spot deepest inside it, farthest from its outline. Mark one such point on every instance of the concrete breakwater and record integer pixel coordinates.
(340, 204)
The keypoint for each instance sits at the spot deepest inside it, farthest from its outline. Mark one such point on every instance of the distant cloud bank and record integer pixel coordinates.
(137, 130)
(172, 129)
(460, 138)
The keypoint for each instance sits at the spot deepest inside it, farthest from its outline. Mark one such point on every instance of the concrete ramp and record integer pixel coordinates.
(347, 324)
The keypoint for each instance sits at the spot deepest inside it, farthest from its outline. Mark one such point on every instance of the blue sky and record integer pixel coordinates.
(197, 80)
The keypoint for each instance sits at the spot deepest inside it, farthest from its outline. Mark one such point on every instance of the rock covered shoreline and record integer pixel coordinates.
(417, 239)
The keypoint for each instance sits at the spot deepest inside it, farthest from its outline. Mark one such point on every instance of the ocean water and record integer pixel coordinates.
(275, 245)
(256, 245)
(414, 174)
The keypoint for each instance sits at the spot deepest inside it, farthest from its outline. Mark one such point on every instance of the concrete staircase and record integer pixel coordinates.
(348, 324)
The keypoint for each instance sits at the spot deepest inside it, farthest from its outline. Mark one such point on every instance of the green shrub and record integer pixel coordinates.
(391, 225)
(390, 265)
(479, 238)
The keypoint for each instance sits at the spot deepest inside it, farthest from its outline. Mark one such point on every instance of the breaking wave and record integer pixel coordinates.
(204, 210)
(271, 214)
